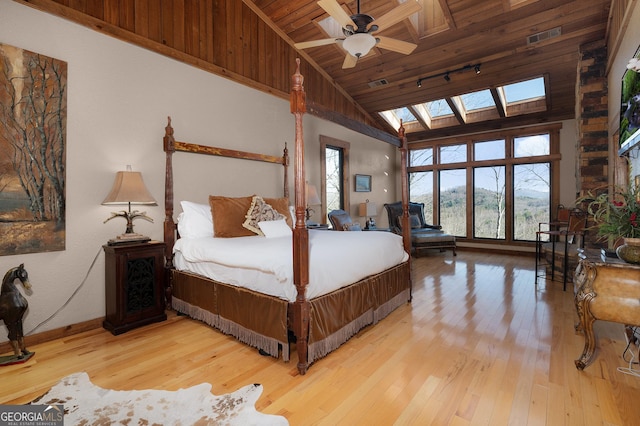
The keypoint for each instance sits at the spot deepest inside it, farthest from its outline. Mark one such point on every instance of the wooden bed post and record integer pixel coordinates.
(300, 232)
(169, 225)
(406, 229)
(285, 163)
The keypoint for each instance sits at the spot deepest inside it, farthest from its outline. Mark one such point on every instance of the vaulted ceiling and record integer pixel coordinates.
(253, 42)
(452, 34)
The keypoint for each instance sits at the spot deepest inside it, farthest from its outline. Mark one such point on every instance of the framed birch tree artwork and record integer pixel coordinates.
(33, 122)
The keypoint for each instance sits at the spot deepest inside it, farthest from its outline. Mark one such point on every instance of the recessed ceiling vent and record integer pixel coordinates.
(544, 35)
(378, 83)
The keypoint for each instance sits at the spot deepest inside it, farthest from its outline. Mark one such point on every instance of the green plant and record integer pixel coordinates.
(617, 215)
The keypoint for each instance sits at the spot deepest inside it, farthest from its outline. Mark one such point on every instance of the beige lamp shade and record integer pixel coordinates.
(312, 196)
(367, 209)
(129, 187)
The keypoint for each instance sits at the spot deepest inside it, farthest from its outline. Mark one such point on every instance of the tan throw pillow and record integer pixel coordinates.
(260, 211)
(228, 215)
(282, 206)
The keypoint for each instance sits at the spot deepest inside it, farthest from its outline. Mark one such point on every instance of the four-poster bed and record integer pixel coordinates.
(316, 321)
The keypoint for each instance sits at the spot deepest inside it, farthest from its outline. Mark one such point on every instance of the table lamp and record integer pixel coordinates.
(129, 188)
(369, 210)
(312, 200)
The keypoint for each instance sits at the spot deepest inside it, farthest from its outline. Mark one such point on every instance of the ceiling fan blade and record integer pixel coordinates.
(333, 8)
(396, 15)
(350, 61)
(395, 45)
(314, 43)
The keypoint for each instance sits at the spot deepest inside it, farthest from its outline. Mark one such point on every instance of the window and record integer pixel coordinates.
(500, 194)
(489, 202)
(421, 191)
(334, 169)
(453, 201)
(333, 178)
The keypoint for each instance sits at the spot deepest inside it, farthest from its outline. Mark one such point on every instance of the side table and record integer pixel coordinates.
(605, 289)
(134, 285)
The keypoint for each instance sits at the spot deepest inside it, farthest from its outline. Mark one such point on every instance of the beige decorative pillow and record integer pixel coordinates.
(260, 211)
(228, 214)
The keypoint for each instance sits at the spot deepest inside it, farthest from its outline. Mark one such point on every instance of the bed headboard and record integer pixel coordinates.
(171, 146)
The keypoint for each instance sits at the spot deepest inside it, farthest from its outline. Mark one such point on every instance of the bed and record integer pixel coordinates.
(310, 292)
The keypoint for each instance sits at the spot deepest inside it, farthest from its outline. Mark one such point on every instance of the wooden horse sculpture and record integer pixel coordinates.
(13, 306)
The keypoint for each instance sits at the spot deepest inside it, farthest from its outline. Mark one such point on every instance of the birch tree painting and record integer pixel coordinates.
(33, 112)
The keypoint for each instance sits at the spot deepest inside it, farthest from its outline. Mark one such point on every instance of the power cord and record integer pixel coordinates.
(631, 340)
(71, 297)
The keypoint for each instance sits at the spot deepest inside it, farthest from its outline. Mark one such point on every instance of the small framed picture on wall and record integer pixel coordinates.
(363, 183)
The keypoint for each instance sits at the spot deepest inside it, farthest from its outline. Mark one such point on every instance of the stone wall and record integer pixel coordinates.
(592, 116)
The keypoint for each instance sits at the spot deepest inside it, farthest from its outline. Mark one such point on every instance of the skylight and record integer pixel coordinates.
(438, 108)
(524, 90)
(522, 97)
(478, 100)
(405, 115)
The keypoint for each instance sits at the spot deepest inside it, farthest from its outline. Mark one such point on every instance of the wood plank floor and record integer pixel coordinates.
(479, 345)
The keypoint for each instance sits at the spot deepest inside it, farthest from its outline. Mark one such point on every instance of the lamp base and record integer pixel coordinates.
(128, 238)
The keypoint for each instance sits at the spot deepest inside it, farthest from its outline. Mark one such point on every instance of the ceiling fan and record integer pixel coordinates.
(358, 31)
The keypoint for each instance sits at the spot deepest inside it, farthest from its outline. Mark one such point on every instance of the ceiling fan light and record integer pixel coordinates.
(359, 44)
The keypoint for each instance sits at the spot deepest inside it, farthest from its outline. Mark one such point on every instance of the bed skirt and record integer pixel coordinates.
(261, 321)
(255, 319)
(333, 320)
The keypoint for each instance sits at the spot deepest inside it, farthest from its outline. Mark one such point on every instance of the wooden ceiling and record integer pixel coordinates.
(451, 34)
(252, 42)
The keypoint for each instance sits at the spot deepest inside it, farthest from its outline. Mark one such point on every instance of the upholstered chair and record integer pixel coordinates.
(341, 221)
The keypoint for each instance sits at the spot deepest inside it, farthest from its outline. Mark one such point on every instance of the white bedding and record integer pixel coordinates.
(266, 264)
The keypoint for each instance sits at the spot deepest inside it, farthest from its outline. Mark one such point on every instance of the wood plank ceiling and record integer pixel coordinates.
(452, 34)
(251, 41)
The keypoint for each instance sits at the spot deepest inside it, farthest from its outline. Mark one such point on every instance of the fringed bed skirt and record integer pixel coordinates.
(338, 316)
(261, 321)
(255, 319)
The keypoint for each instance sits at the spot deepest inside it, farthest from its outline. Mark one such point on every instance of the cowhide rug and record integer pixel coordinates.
(87, 404)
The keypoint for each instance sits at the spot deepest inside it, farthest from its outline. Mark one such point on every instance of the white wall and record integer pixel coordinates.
(119, 97)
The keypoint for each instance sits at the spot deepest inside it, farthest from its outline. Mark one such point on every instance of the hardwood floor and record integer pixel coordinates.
(480, 344)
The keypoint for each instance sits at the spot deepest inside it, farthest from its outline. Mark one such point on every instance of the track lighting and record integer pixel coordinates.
(447, 74)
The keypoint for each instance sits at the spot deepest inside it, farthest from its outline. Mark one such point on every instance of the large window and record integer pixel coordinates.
(333, 178)
(494, 187)
(334, 171)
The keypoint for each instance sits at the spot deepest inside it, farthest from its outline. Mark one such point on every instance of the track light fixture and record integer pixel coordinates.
(447, 74)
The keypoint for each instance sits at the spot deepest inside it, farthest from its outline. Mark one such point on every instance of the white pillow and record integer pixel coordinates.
(275, 228)
(195, 221)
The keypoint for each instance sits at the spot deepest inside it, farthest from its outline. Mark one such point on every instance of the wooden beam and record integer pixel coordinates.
(357, 126)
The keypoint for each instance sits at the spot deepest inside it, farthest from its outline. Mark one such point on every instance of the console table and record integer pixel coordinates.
(605, 289)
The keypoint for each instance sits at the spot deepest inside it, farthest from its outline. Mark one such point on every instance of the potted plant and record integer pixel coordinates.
(617, 219)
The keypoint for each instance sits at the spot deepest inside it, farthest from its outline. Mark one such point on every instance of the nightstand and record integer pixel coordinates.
(134, 285)
(319, 226)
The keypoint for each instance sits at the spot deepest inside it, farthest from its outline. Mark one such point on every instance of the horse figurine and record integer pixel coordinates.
(13, 306)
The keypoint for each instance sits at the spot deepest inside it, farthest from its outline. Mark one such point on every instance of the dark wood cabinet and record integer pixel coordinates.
(134, 285)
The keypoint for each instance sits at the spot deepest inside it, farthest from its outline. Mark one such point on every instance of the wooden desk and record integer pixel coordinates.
(605, 289)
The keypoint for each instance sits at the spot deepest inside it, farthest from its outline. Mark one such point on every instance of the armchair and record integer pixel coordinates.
(341, 221)
(423, 235)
